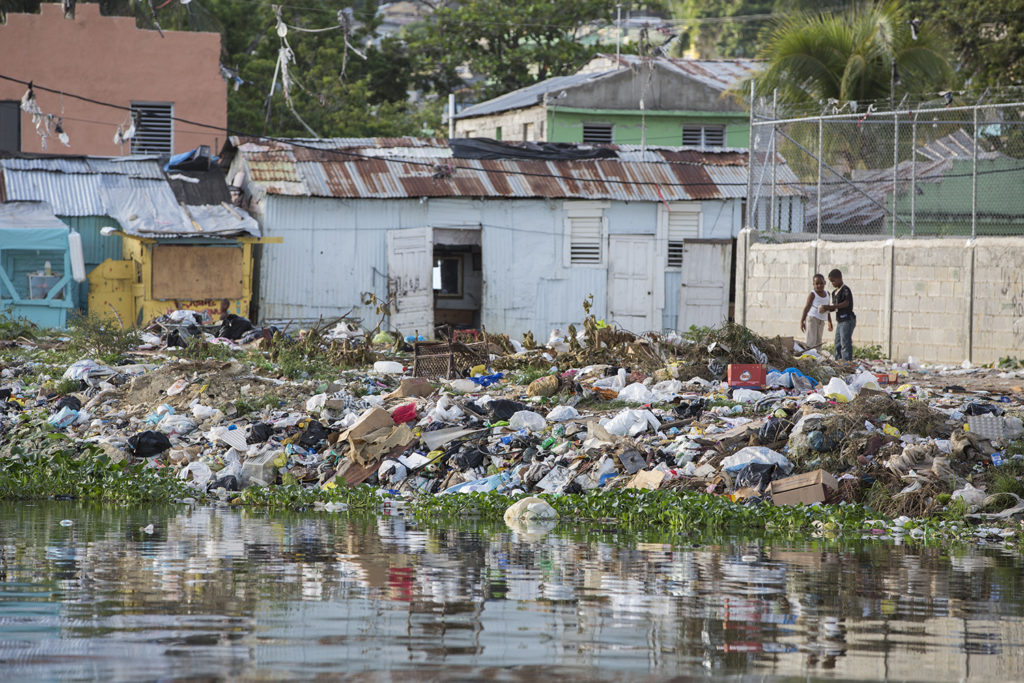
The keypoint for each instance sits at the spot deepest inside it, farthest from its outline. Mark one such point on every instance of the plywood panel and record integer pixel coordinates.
(197, 272)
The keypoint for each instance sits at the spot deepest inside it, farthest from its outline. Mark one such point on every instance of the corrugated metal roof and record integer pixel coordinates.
(653, 174)
(134, 190)
(28, 215)
(719, 74)
(866, 201)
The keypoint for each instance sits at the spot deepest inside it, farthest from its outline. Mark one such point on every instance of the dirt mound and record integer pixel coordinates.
(214, 383)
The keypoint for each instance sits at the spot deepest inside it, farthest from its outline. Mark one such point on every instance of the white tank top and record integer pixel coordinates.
(818, 301)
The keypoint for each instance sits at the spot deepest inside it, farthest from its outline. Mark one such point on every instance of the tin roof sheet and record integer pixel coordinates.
(719, 74)
(134, 190)
(381, 172)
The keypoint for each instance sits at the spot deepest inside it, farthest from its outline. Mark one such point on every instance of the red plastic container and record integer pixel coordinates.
(746, 375)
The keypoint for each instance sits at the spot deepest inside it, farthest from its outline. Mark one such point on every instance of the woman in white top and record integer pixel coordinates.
(812, 319)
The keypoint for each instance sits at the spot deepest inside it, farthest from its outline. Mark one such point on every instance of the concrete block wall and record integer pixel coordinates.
(998, 316)
(932, 300)
(939, 300)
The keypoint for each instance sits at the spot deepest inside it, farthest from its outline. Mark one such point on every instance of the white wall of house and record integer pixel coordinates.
(333, 250)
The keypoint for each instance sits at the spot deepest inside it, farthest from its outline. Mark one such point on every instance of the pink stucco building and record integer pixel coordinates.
(110, 60)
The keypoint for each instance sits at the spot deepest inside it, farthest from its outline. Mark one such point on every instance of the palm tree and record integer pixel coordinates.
(866, 54)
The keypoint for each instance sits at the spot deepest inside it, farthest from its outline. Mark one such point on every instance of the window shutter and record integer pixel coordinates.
(714, 136)
(154, 128)
(585, 240)
(597, 133)
(683, 224)
(692, 136)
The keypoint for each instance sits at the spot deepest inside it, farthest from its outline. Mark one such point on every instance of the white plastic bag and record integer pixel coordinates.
(315, 403)
(445, 411)
(176, 425)
(388, 367)
(779, 379)
(666, 391)
(838, 390)
(756, 454)
(747, 395)
(969, 495)
(636, 393)
(197, 474)
(527, 419)
(864, 380)
(631, 422)
(562, 413)
(201, 412)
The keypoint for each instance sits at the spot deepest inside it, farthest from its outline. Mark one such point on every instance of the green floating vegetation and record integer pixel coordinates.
(63, 474)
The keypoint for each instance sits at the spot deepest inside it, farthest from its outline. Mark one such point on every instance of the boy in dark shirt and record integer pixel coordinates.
(846, 320)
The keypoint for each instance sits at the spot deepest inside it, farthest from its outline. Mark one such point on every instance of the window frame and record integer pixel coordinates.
(704, 128)
(675, 236)
(609, 127)
(578, 214)
(138, 109)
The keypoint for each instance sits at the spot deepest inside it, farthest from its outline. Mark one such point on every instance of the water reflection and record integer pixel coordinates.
(225, 593)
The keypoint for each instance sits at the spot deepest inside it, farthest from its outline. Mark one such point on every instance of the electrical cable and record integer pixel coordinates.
(304, 144)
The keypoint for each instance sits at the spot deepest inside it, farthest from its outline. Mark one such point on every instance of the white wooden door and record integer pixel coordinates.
(704, 294)
(410, 283)
(631, 282)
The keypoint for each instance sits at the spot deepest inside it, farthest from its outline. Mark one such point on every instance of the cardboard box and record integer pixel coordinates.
(747, 375)
(809, 487)
(884, 378)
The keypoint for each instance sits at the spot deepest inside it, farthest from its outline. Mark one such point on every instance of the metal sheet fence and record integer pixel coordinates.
(924, 171)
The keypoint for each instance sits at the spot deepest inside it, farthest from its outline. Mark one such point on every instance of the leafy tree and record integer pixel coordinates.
(857, 55)
(510, 44)
(986, 36)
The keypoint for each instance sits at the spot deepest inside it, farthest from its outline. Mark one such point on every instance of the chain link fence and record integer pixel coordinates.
(924, 171)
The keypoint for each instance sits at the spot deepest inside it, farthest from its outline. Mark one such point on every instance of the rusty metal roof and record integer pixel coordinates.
(405, 168)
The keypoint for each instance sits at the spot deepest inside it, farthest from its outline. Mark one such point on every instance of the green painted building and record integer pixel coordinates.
(623, 100)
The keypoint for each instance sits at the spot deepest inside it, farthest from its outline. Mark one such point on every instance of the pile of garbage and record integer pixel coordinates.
(726, 413)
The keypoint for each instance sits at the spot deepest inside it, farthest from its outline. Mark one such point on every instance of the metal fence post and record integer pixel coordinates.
(895, 160)
(913, 174)
(821, 137)
(750, 162)
(974, 180)
(775, 116)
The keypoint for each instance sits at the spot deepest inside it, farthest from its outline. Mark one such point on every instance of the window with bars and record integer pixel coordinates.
(597, 133)
(585, 236)
(154, 128)
(683, 222)
(704, 136)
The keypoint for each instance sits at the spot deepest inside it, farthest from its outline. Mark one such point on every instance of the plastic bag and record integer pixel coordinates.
(445, 411)
(88, 370)
(64, 417)
(201, 412)
(864, 380)
(176, 425)
(527, 419)
(756, 454)
(666, 391)
(636, 393)
(838, 390)
(197, 474)
(969, 495)
(562, 413)
(631, 422)
(779, 379)
(388, 367)
(747, 395)
(757, 476)
(148, 443)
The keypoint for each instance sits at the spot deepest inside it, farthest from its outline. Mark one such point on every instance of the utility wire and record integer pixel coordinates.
(304, 144)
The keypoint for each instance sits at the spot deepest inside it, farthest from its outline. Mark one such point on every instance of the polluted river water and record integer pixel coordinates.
(212, 592)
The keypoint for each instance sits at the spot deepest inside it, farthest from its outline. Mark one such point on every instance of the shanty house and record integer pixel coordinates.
(622, 99)
(37, 250)
(173, 240)
(476, 232)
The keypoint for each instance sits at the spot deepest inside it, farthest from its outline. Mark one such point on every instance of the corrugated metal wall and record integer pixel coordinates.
(335, 249)
(95, 247)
